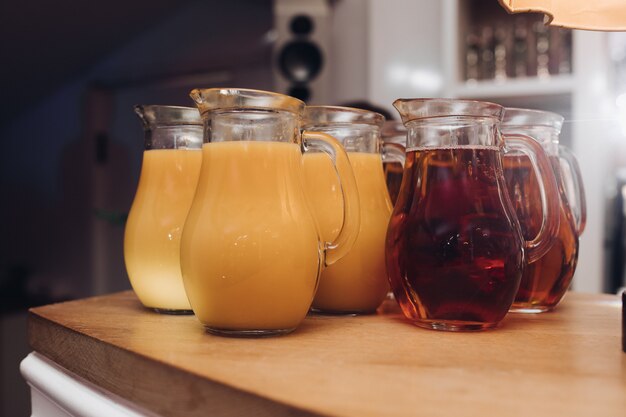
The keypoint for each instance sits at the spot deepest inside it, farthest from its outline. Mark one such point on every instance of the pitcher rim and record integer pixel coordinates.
(153, 115)
(219, 98)
(394, 131)
(520, 117)
(340, 115)
(448, 107)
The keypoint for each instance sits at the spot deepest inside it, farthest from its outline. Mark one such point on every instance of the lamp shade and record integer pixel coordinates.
(608, 15)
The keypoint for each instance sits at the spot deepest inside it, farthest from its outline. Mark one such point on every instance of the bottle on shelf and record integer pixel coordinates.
(472, 51)
(500, 52)
(487, 61)
(520, 48)
(542, 46)
(516, 47)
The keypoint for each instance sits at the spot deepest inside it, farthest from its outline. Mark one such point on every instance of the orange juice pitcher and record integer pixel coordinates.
(169, 174)
(358, 282)
(251, 253)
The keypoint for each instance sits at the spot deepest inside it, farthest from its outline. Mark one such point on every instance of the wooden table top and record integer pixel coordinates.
(565, 363)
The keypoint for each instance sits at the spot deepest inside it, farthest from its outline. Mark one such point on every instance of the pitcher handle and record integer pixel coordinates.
(393, 152)
(549, 191)
(321, 142)
(578, 203)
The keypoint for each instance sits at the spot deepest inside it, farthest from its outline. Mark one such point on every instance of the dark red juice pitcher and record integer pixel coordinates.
(454, 248)
(545, 281)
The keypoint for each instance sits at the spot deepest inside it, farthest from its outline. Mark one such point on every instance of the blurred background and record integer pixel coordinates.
(72, 145)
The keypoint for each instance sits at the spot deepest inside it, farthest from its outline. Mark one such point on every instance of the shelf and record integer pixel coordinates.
(511, 88)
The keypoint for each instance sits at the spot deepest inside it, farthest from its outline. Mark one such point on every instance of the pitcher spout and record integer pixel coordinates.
(423, 108)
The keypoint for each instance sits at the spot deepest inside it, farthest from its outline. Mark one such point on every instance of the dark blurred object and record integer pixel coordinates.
(302, 25)
(112, 217)
(300, 62)
(615, 232)
(366, 105)
(301, 50)
(48, 44)
(624, 321)
(16, 292)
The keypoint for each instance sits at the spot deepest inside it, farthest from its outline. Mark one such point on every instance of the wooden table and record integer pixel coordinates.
(565, 363)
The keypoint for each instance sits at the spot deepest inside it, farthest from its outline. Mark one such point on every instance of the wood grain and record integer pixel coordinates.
(568, 362)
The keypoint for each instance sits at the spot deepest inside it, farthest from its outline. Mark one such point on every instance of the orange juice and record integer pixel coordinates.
(250, 252)
(152, 237)
(358, 281)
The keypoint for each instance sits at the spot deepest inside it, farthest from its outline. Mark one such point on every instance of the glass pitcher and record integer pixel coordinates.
(251, 254)
(169, 174)
(393, 134)
(358, 282)
(545, 281)
(454, 248)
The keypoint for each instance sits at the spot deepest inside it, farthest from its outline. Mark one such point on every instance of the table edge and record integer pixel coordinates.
(70, 352)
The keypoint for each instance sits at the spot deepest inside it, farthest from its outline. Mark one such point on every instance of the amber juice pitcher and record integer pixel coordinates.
(546, 280)
(454, 248)
(394, 135)
(251, 254)
(169, 174)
